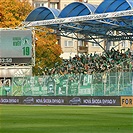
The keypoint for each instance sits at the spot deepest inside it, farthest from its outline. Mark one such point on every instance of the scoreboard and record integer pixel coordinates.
(15, 46)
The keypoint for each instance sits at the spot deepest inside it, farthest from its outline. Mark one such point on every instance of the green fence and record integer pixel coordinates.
(98, 84)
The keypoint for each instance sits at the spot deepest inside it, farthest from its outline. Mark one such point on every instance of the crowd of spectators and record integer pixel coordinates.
(91, 63)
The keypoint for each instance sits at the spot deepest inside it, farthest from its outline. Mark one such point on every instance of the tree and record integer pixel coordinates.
(13, 12)
(47, 51)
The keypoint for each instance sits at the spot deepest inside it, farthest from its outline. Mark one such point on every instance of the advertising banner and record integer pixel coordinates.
(62, 100)
(10, 100)
(127, 101)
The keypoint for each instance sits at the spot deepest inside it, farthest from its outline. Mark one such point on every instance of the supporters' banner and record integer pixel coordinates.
(5, 87)
(127, 101)
(57, 85)
(68, 85)
(85, 85)
(62, 100)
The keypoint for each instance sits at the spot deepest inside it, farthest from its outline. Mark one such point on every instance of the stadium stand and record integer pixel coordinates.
(93, 63)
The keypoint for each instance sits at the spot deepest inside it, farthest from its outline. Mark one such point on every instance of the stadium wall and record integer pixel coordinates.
(63, 100)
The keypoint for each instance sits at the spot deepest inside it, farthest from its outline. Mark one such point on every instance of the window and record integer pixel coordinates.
(54, 5)
(124, 44)
(39, 4)
(95, 44)
(112, 43)
(36, 5)
(80, 43)
(68, 43)
(42, 4)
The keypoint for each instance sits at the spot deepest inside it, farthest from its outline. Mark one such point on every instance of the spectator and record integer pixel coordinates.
(88, 64)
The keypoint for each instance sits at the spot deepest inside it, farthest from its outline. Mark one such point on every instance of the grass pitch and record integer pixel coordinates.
(65, 119)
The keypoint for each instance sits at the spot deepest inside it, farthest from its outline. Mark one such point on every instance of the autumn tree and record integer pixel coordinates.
(13, 12)
(47, 51)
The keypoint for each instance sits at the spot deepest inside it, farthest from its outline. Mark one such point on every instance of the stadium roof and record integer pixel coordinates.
(89, 21)
(42, 13)
(114, 5)
(77, 9)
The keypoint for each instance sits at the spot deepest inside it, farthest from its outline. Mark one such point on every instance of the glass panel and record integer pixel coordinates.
(77, 10)
(103, 6)
(43, 15)
(33, 15)
(84, 12)
(124, 6)
(115, 5)
(66, 11)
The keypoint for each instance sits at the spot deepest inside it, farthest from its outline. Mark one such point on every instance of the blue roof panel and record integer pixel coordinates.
(77, 9)
(42, 13)
(103, 6)
(124, 6)
(32, 16)
(114, 5)
(80, 9)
